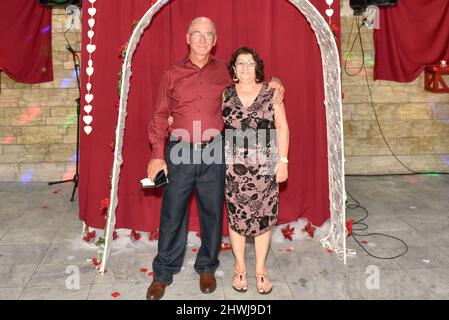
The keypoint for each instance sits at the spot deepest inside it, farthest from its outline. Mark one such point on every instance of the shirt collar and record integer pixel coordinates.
(187, 59)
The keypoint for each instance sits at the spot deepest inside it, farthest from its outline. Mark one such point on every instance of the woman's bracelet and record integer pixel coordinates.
(283, 159)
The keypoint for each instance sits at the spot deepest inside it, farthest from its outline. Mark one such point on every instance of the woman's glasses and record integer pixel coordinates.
(241, 64)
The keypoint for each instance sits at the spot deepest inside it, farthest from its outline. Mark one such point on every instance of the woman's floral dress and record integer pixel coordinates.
(252, 193)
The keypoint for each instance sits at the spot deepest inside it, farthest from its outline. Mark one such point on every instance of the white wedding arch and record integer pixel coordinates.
(336, 238)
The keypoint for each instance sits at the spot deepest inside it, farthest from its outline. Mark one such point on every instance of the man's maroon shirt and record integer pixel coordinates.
(189, 94)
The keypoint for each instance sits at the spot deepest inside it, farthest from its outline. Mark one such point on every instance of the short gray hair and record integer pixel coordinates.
(201, 18)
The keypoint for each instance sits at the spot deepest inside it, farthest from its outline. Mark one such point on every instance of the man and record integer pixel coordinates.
(190, 92)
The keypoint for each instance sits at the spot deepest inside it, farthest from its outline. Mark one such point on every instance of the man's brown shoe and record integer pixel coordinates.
(156, 290)
(208, 284)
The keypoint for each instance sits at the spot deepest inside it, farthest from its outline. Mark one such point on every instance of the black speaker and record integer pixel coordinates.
(59, 3)
(382, 3)
(359, 6)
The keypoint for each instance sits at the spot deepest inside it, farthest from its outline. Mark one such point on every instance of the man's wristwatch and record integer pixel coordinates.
(283, 159)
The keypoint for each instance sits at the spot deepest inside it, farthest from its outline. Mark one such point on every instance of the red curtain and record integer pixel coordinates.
(25, 41)
(412, 35)
(285, 41)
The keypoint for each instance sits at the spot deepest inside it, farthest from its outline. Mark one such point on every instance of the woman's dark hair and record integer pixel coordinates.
(259, 63)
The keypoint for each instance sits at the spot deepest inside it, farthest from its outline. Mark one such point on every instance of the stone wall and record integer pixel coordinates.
(414, 122)
(38, 122)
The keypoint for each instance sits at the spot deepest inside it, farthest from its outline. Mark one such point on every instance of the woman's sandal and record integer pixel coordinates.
(242, 281)
(261, 278)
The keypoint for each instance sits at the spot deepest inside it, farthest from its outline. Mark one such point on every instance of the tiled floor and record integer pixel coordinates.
(40, 251)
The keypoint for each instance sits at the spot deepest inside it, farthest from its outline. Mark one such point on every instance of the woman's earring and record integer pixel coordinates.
(235, 78)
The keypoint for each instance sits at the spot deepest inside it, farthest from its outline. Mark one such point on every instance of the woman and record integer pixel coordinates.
(252, 191)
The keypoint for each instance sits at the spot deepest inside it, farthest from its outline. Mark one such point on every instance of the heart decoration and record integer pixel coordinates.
(90, 71)
(88, 108)
(87, 129)
(87, 119)
(329, 12)
(91, 47)
(89, 97)
(329, 2)
(92, 11)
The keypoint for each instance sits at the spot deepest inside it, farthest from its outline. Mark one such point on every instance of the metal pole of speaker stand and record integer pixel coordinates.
(76, 65)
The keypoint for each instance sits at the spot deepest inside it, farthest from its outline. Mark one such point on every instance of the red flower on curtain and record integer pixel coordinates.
(309, 229)
(122, 50)
(287, 232)
(153, 235)
(134, 234)
(105, 205)
(335, 30)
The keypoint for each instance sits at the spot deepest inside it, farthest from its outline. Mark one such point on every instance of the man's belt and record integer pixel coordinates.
(204, 144)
